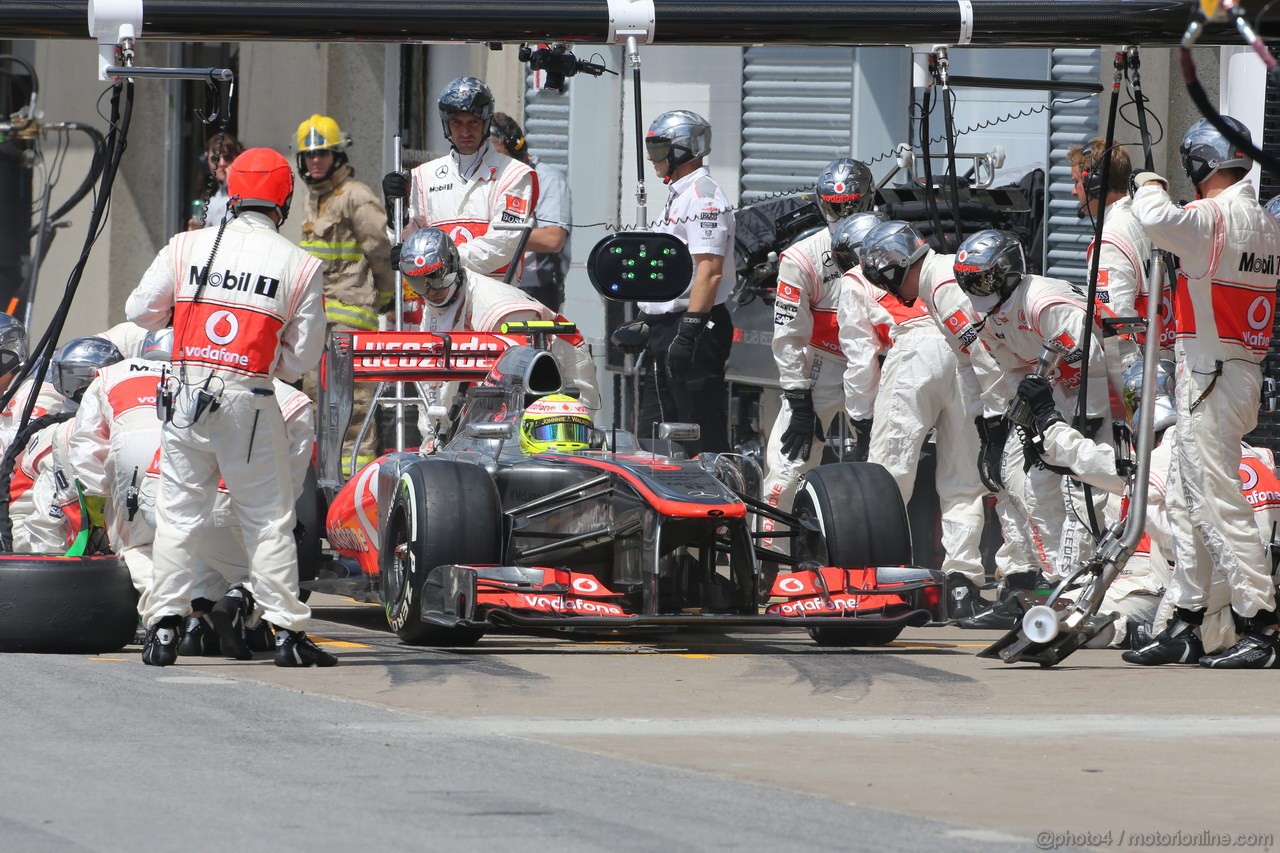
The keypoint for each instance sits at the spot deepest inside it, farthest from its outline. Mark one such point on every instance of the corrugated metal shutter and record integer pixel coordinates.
(1072, 121)
(546, 122)
(796, 116)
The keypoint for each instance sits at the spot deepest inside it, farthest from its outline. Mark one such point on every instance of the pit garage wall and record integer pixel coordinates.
(1268, 432)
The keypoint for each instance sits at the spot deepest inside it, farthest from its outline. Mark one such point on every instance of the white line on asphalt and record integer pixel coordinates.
(194, 679)
(989, 836)
(1095, 725)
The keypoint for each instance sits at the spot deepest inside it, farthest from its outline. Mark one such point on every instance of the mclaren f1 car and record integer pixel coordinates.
(477, 535)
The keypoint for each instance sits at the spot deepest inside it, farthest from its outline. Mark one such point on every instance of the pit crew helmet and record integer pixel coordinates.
(555, 423)
(1166, 412)
(258, 178)
(1273, 207)
(888, 251)
(430, 261)
(846, 240)
(1205, 150)
(845, 187)
(13, 344)
(466, 95)
(78, 361)
(320, 133)
(677, 137)
(158, 345)
(990, 263)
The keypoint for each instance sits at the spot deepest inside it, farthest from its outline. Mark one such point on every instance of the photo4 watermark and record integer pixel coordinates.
(1051, 839)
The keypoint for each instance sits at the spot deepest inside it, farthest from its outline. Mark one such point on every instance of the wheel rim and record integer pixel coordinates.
(400, 565)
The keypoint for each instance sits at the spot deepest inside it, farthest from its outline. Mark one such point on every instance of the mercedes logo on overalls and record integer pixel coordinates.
(222, 327)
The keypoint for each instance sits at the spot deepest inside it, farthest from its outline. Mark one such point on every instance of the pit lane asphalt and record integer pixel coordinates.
(747, 741)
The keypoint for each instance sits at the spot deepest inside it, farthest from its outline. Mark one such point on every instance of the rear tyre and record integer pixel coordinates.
(71, 605)
(444, 513)
(861, 521)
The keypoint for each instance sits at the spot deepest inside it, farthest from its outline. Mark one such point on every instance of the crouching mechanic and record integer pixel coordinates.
(261, 316)
(459, 299)
(806, 338)
(47, 518)
(115, 438)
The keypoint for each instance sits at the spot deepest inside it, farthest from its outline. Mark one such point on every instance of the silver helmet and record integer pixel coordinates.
(677, 137)
(158, 345)
(429, 261)
(846, 240)
(990, 263)
(78, 361)
(13, 344)
(845, 187)
(1166, 411)
(1273, 207)
(888, 251)
(466, 95)
(1205, 150)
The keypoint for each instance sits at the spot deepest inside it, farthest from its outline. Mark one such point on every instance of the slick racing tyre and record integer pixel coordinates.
(861, 521)
(75, 605)
(444, 513)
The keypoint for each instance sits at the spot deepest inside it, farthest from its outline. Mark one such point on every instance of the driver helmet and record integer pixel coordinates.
(429, 261)
(989, 265)
(158, 345)
(845, 187)
(555, 423)
(888, 252)
(13, 344)
(78, 361)
(1205, 150)
(1166, 412)
(677, 137)
(846, 239)
(466, 95)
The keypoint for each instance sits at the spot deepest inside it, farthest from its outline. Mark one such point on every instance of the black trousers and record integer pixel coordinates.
(699, 397)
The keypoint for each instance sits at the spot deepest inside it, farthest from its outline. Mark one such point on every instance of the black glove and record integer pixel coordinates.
(992, 433)
(1037, 394)
(680, 353)
(862, 432)
(396, 248)
(395, 185)
(803, 428)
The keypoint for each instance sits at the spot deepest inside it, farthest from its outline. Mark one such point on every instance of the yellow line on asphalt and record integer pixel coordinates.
(695, 657)
(337, 644)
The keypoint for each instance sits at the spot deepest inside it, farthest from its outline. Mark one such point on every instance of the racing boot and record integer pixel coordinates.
(1179, 642)
(198, 634)
(161, 646)
(261, 638)
(964, 601)
(229, 616)
(1006, 613)
(1257, 648)
(295, 648)
(1138, 633)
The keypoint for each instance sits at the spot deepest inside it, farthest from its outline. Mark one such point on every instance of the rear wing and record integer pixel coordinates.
(359, 356)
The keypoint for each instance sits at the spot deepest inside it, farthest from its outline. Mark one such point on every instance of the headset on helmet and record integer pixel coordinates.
(78, 361)
(678, 137)
(846, 240)
(1205, 150)
(466, 95)
(1166, 411)
(990, 263)
(507, 131)
(555, 423)
(261, 177)
(158, 345)
(887, 253)
(320, 133)
(13, 344)
(429, 261)
(845, 187)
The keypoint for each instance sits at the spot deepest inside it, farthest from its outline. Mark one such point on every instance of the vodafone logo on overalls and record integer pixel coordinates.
(1259, 315)
(222, 327)
(461, 235)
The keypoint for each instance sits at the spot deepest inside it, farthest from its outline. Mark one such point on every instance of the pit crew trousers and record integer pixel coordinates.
(701, 396)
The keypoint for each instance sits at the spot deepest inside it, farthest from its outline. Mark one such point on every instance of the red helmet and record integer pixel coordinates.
(261, 177)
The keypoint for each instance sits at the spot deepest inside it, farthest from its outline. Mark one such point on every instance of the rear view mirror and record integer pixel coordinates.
(679, 431)
(503, 431)
(640, 266)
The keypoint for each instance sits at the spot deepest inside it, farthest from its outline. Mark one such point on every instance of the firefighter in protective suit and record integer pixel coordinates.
(344, 226)
(247, 305)
(459, 299)
(806, 338)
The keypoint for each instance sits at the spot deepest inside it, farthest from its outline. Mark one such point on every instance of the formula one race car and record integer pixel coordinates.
(479, 535)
